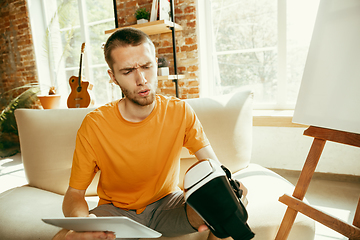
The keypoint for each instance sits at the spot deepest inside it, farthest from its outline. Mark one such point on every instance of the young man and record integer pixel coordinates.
(136, 143)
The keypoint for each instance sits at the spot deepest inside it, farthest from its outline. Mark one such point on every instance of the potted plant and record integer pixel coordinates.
(163, 66)
(9, 139)
(51, 100)
(142, 15)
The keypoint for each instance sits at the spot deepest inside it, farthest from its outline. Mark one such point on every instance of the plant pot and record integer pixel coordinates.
(50, 101)
(140, 21)
(164, 71)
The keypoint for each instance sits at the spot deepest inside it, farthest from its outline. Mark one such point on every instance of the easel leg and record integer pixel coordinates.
(301, 186)
(356, 221)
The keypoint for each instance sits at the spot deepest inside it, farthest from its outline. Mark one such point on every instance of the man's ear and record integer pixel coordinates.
(112, 77)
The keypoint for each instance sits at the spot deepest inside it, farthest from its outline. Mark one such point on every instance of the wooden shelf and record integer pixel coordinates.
(171, 77)
(150, 28)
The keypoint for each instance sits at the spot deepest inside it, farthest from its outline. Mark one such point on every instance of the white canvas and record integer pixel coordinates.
(329, 95)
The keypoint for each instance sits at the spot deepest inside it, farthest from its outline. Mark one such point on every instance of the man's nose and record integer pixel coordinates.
(140, 77)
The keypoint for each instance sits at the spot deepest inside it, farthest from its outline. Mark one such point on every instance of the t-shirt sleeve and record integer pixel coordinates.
(84, 165)
(195, 137)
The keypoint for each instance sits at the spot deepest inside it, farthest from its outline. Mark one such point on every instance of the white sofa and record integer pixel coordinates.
(47, 139)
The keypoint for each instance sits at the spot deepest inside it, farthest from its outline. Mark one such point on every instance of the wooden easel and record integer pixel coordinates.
(295, 203)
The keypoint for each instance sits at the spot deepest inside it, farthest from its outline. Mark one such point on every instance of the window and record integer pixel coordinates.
(258, 44)
(67, 24)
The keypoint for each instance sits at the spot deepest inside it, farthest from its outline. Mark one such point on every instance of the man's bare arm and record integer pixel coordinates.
(206, 152)
(74, 204)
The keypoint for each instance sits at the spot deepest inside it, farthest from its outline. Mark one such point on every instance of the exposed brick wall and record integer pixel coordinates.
(17, 56)
(186, 44)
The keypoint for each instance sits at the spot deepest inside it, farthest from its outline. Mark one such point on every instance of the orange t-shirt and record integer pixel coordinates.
(139, 162)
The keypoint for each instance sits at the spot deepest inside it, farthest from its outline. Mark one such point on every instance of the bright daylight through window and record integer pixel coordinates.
(260, 44)
(69, 23)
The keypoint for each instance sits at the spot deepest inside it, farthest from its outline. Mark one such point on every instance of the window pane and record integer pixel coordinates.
(249, 38)
(244, 24)
(256, 70)
(97, 38)
(68, 13)
(71, 42)
(99, 10)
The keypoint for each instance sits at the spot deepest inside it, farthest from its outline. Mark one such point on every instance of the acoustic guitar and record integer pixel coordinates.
(79, 96)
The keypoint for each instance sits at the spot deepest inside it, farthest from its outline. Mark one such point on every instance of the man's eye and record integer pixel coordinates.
(126, 72)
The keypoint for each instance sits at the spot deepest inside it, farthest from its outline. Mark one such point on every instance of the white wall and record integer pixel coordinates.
(287, 148)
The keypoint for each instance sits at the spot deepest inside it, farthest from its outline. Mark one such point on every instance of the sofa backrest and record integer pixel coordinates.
(47, 144)
(47, 138)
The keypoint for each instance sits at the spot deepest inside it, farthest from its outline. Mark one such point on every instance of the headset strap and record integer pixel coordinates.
(235, 184)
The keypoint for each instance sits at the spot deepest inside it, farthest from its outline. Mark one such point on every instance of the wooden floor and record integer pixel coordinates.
(337, 195)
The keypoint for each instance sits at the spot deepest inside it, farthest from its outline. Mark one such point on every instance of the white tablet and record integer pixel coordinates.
(123, 227)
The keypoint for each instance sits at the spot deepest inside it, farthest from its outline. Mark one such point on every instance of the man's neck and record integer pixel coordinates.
(133, 112)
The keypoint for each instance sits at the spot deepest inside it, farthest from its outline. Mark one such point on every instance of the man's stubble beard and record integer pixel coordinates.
(141, 101)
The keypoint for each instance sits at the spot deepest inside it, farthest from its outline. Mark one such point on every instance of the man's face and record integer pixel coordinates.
(135, 71)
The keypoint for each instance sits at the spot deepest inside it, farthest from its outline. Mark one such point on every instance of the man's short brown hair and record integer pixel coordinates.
(122, 38)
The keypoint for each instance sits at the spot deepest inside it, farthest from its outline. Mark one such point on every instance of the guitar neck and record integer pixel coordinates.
(80, 68)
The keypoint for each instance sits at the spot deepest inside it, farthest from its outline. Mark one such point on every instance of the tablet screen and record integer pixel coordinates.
(123, 227)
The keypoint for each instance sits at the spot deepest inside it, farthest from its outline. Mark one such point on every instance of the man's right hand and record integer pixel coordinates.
(74, 205)
(70, 234)
(89, 235)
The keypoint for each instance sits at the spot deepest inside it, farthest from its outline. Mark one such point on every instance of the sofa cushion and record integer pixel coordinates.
(21, 211)
(25, 206)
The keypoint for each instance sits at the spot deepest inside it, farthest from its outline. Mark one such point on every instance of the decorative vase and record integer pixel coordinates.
(140, 21)
(50, 101)
(163, 71)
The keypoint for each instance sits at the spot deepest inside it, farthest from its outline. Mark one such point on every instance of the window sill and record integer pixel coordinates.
(274, 118)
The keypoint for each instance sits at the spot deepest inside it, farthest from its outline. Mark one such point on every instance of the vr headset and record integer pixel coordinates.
(216, 197)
